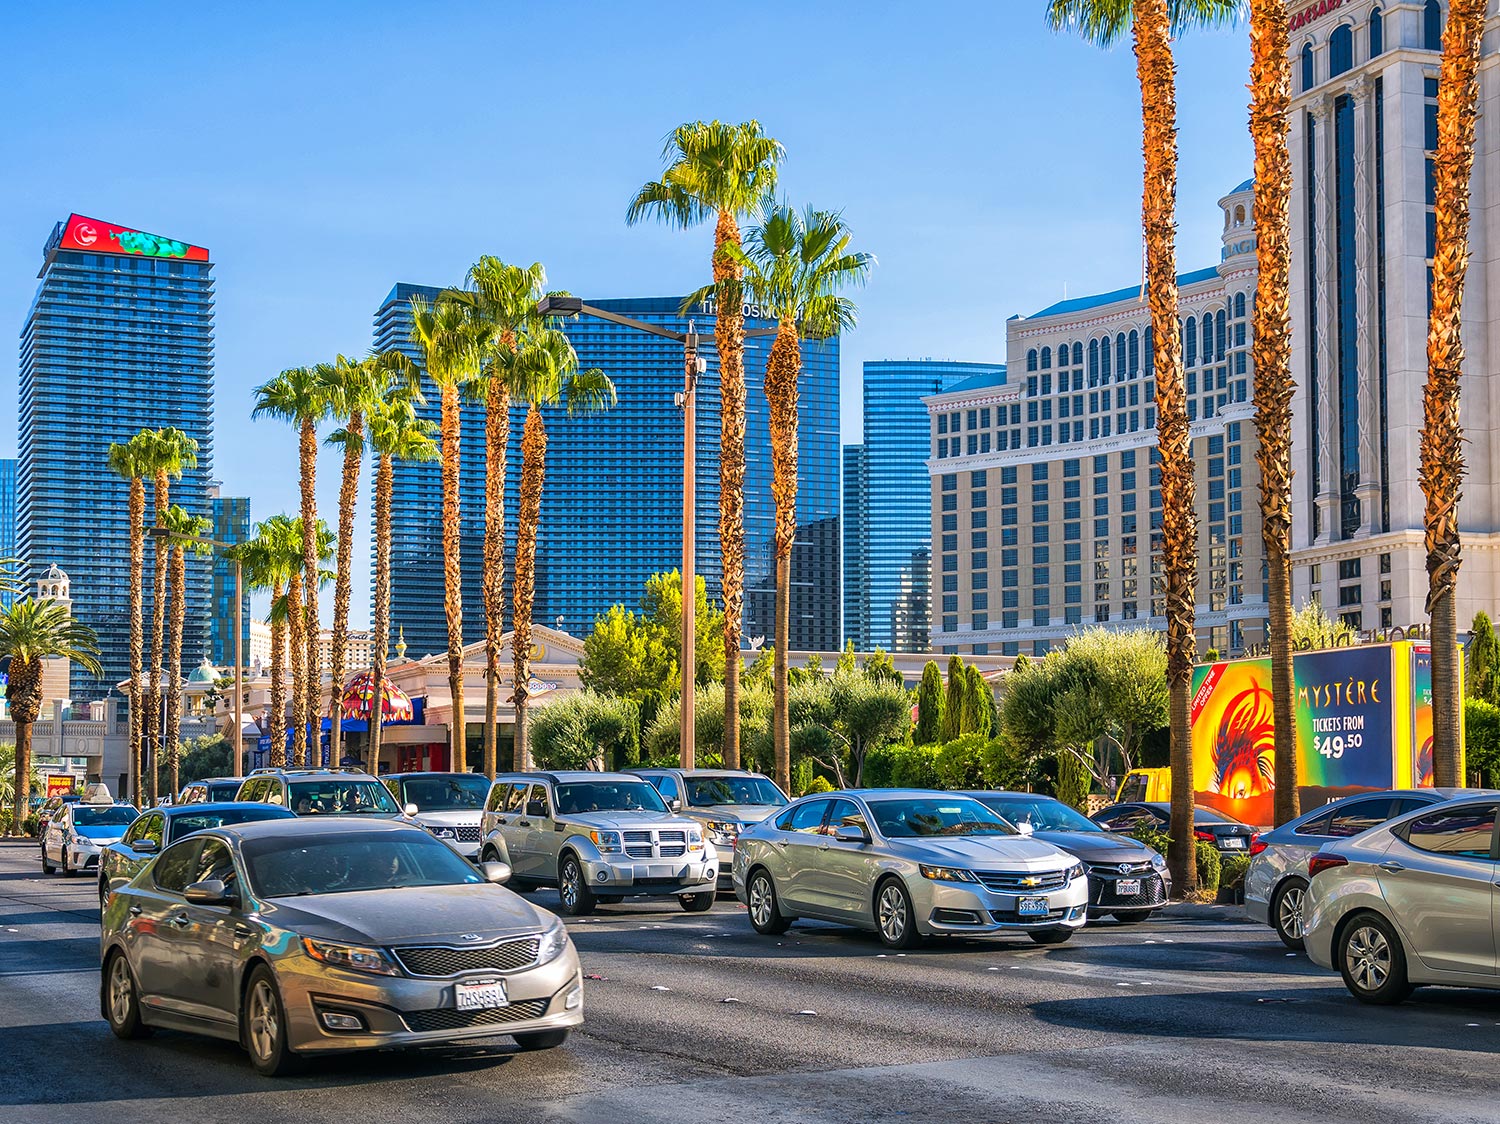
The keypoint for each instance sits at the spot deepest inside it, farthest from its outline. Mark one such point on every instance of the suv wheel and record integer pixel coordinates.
(895, 920)
(1286, 912)
(573, 888)
(47, 867)
(1371, 960)
(765, 911)
(698, 903)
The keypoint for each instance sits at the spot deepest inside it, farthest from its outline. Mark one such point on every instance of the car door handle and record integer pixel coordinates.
(135, 911)
(523, 823)
(1392, 867)
(244, 931)
(179, 920)
(500, 821)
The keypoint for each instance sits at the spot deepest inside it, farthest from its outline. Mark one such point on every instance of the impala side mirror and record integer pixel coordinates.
(848, 833)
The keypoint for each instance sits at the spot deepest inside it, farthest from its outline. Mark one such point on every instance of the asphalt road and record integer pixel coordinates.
(1195, 1016)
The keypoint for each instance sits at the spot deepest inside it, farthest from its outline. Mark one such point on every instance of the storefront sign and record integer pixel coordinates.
(1312, 12)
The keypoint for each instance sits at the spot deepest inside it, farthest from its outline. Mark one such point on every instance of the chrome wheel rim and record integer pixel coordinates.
(1289, 911)
(264, 1029)
(892, 913)
(568, 891)
(1368, 955)
(762, 904)
(121, 993)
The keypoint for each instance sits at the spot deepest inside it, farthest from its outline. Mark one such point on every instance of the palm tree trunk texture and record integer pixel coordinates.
(496, 436)
(338, 658)
(278, 684)
(296, 623)
(137, 630)
(1441, 468)
(1156, 70)
(1271, 344)
(533, 473)
(152, 710)
(178, 601)
(24, 694)
(313, 682)
(453, 579)
(782, 369)
(384, 480)
(729, 339)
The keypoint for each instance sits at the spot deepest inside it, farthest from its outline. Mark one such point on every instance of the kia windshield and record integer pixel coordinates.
(345, 863)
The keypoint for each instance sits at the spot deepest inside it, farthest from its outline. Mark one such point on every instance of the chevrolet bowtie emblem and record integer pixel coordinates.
(1030, 881)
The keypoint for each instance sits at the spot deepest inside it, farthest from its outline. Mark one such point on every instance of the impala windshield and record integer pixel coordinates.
(917, 817)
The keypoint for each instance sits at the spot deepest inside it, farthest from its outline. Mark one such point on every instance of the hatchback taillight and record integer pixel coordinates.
(1321, 862)
(1257, 845)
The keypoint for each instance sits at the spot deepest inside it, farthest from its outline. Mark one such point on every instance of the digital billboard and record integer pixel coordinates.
(80, 233)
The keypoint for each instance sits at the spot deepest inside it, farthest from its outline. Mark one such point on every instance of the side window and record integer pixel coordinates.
(846, 813)
(153, 829)
(1409, 804)
(255, 792)
(805, 818)
(515, 800)
(1460, 832)
(537, 803)
(138, 830)
(274, 795)
(175, 869)
(395, 790)
(214, 861)
(496, 800)
(1318, 825)
(666, 784)
(1360, 816)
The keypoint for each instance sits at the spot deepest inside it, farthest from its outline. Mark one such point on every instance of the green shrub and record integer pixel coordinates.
(963, 763)
(31, 825)
(880, 766)
(1209, 866)
(817, 784)
(915, 766)
(1157, 840)
(1073, 780)
(1232, 871)
(802, 774)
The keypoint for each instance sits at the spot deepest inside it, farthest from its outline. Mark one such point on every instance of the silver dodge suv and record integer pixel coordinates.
(597, 837)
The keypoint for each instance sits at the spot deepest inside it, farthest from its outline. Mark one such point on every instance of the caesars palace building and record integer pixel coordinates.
(1045, 498)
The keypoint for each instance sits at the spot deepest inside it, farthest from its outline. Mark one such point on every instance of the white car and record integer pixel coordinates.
(78, 833)
(450, 805)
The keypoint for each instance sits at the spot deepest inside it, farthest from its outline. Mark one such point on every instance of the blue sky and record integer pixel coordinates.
(324, 151)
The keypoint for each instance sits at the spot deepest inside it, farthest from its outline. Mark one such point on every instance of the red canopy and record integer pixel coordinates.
(359, 698)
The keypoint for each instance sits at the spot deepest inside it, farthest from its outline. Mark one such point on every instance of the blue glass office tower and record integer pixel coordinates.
(7, 515)
(231, 525)
(119, 338)
(612, 507)
(887, 495)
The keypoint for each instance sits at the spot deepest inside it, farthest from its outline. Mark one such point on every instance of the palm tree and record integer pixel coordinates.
(721, 172)
(1441, 468)
(546, 374)
(169, 453)
(269, 559)
(1153, 25)
(503, 300)
(794, 264)
(446, 332)
(181, 529)
(396, 433)
(131, 460)
(32, 631)
(300, 396)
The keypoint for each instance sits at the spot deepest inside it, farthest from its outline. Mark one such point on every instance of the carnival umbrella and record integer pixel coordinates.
(358, 700)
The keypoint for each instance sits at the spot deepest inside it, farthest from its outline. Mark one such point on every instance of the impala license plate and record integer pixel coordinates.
(1032, 907)
(481, 995)
(1127, 887)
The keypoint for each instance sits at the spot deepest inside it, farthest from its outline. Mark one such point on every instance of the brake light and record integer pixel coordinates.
(1206, 836)
(1321, 862)
(1257, 845)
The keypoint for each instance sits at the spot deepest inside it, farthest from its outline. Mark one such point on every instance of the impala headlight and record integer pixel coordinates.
(947, 873)
(1075, 871)
(354, 957)
(552, 944)
(608, 842)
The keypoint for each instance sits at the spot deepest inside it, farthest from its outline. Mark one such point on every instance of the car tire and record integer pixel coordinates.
(263, 1026)
(67, 871)
(895, 919)
(47, 867)
(541, 1040)
(103, 896)
(1372, 961)
(764, 907)
(573, 888)
(122, 999)
(1131, 916)
(1051, 936)
(698, 903)
(1287, 906)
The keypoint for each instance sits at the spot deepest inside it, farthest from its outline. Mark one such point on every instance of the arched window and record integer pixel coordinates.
(1340, 50)
(1239, 306)
(1190, 343)
(1206, 326)
(1093, 362)
(1078, 355)
(1046, 359)
(1031, 360)
(1432, 26)
(1150, 356)
(1120, 357)
(1104, 361)
(1221, 340)
(1135, 353)
(1307, 68)
(1239, 214)
(1377, 33)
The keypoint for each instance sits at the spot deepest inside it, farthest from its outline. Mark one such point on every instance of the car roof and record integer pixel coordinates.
(699, 772)
(976, 793)
(881, 793)
(426, 773)
(171, 810)
(319, 825)
(316, 774)
(567, 776)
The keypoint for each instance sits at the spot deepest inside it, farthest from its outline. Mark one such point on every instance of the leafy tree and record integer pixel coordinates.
(1072, 780)
(663, 741)
(809, 672)
(929, 705)
(1313, 628)
(587, 731)
(979, 704)
(847, 662)
(662, 603)
(879, 665)
(1482, 738)
(758, 674)
(1483, 652)
(953, 705)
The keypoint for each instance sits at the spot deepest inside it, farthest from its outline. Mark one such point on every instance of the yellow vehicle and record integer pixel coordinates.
(1145, 786)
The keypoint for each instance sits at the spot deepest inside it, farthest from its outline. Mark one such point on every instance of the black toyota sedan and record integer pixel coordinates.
(1226, 833)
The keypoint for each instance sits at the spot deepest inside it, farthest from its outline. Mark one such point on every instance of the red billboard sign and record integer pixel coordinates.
(82, 233)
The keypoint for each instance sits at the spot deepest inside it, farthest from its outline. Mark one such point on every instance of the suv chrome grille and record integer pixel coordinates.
(655, 844)
(446, 1018)
(466, 834)
(672, 843)
(507, 956)
(1022, 882)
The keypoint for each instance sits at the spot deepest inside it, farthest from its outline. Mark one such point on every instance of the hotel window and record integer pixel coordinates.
(1010, 599)
(950, 583)
(979, 560)
(950, 501)
(942, 447)
(950, 522)
(1432, 26)
(1010, 578)
(942, 423)
(1008, 474)
(1031, 360)
(1039, 513)
(978, 519)
(1041, 597)
(979, 499)
(950, 563)
(1008, 495)
(979, 540)
(950, 542)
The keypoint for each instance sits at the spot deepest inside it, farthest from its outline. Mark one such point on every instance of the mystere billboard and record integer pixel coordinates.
(80, 233)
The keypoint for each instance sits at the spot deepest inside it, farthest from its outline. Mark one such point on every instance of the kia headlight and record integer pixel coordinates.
(608, 842)
(553, 943)
(352, 956)
(947, 873)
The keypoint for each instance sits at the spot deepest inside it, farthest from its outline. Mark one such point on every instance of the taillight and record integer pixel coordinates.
(1206, 836)
(1324, 862)
(1257, 845)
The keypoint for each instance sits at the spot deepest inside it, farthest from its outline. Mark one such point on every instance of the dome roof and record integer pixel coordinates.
(55, 573)
(205, 672)
(1246, 186)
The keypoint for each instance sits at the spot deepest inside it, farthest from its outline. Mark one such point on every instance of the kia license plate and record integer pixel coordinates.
(1127, 887)
(480, 996)
(1233, 843)
(1032, 907)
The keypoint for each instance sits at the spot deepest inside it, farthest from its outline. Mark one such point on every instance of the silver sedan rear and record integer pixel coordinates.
(909, 864)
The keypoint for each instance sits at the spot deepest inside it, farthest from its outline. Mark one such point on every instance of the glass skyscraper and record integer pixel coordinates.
(887, 501)
(612, 507)
(7, 515)
(119, 338)
(231, 525)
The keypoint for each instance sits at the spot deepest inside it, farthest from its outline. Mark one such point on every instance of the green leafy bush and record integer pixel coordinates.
(964, 763)
(915, 766)
(817, 784)
(1210, 866)
(1157, 840)
(1232, 871)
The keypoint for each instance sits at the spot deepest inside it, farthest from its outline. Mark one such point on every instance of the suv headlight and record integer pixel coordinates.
(695, 839)
(443, 832)
(351, 956)
(552, 944)
(608, 842)
(947, 873)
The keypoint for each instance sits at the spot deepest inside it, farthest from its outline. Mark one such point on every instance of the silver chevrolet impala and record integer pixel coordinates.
(909, 864)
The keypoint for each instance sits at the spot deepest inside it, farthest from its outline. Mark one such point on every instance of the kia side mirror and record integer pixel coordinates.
(145, 846)
(496, 872)
(848, 833)
(210, 892)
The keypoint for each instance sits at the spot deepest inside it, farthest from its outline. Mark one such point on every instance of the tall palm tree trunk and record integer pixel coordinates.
(178, 601)
(1271, 345)
(533, 473)
(312, 690)
(384, 481)
(153, 707)
(1441, 460)
(496, 436)
(1151, 27)
(137, 630)
(338, 657)
(24, 693)
(729, 338)
(278, 684)
(782, 370)
(453, 579)
(296, 624)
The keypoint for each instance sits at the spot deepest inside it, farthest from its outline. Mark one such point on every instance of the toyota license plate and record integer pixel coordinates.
(1127, 887)
(1032, 907)
(480, 996)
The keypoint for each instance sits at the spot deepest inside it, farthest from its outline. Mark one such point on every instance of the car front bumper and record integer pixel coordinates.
(690, 874)
(82, 856)
(966, 909)
(1104, 896)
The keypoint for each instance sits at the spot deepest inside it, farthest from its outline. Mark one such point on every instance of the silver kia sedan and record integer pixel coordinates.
(300, 937)
(909, 864)
(1409, 902)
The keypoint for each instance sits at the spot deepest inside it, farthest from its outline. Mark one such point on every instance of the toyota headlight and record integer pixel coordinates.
(608, 842)
(354, 957)
(552, 944)
(947, 873)
(1158, 862)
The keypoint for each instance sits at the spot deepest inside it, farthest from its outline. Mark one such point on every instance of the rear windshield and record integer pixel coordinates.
(224, 790)
(340, 797)
(119, 815)
(348, 862)
(199, 821)
(1208, 815)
